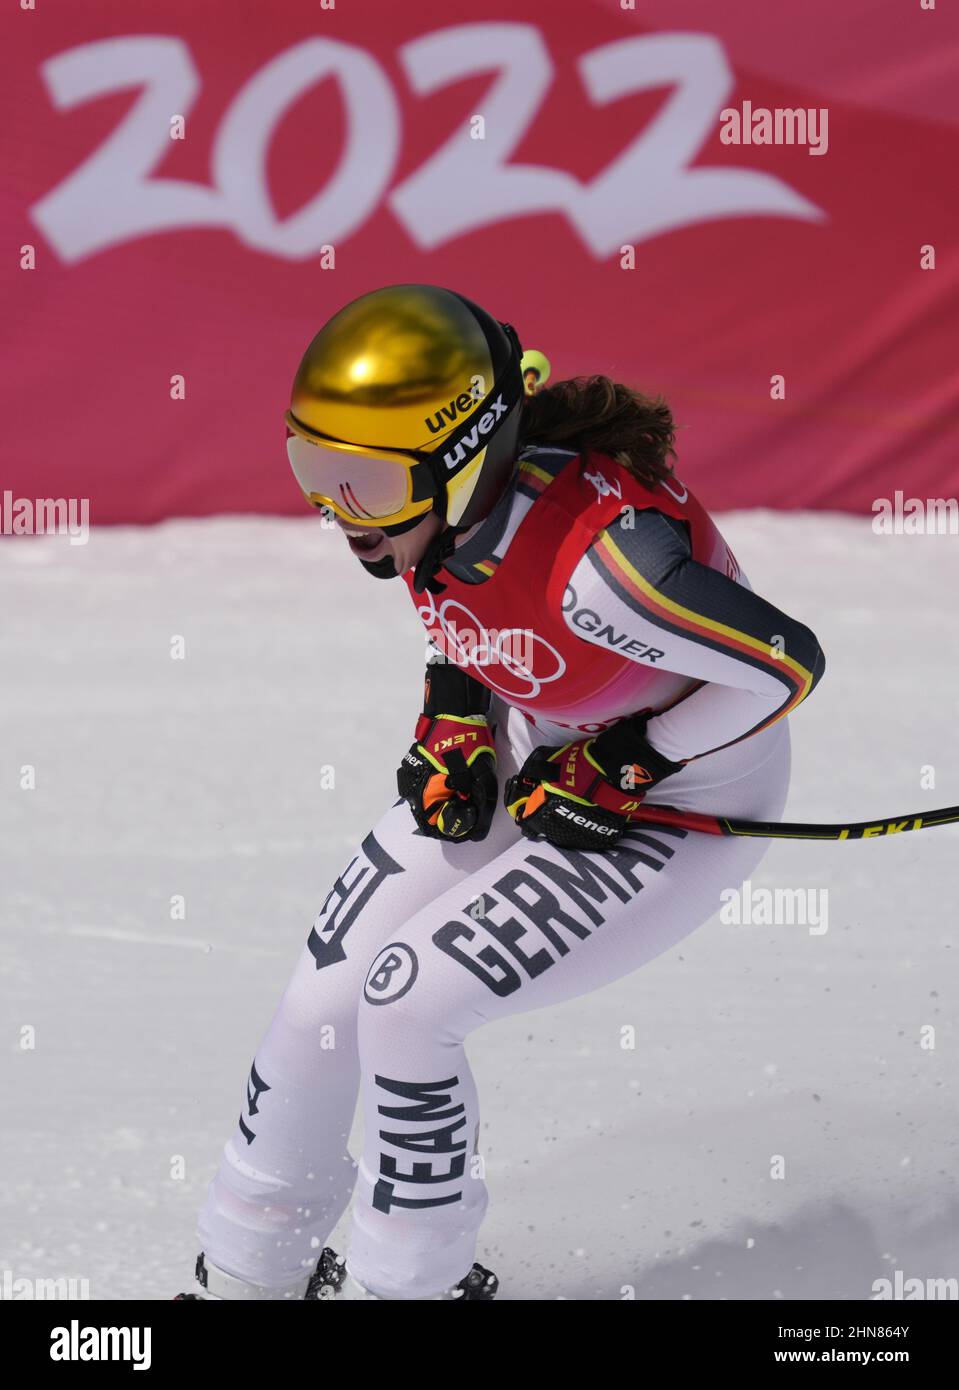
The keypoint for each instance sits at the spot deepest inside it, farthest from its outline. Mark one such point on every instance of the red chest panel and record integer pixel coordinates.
(510, 629)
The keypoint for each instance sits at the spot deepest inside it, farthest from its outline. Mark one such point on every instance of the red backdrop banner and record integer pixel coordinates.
(204, 184)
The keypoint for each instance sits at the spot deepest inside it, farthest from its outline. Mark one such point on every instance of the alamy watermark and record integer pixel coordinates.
(776, 907)
(915, 516)
(69, 1286)
(45, 516)
(463, 645)
(76, 1343)
(899, 1287)
(781, 125)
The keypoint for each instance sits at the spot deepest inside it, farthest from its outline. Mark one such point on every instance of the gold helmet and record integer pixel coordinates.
(408, 400)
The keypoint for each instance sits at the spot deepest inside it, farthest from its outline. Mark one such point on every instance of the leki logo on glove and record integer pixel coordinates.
(525, 661)
(442, 745)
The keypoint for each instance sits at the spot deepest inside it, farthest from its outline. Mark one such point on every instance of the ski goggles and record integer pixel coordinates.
(368, 486)
(374, 485)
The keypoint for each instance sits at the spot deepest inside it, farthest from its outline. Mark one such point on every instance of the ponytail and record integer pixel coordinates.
(597, 414)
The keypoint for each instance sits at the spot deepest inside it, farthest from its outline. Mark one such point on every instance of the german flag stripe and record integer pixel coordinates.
(536, 479)
(673, 616)
(540, 468)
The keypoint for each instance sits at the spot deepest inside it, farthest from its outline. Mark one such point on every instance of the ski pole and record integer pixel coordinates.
(793, 830)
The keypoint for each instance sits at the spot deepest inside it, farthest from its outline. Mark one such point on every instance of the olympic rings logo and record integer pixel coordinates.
(524, 661)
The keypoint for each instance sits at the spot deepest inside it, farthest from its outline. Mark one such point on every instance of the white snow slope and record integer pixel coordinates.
(610, 1170)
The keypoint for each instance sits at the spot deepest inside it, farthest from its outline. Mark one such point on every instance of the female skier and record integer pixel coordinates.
(597, 647)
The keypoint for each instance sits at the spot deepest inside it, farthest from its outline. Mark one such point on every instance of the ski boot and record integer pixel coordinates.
(325, 1282)
(479, 1286)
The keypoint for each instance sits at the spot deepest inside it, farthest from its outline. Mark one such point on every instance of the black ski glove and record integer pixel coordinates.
(448, 777)
(583, 795)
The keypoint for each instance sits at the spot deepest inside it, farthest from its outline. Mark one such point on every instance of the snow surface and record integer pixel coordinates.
(608, 1168)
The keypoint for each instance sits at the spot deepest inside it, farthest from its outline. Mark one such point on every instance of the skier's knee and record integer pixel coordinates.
(319, 1007)
(398, 1002)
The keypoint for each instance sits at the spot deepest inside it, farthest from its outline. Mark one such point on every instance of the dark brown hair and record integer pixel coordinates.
(596, 413)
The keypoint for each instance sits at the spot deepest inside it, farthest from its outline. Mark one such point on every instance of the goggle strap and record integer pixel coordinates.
(512, 394)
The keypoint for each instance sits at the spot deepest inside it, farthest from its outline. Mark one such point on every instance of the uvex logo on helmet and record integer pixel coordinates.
(470, 442)
(460, 405)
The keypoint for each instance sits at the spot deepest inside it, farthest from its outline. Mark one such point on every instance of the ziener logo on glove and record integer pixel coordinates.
(577, 819)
